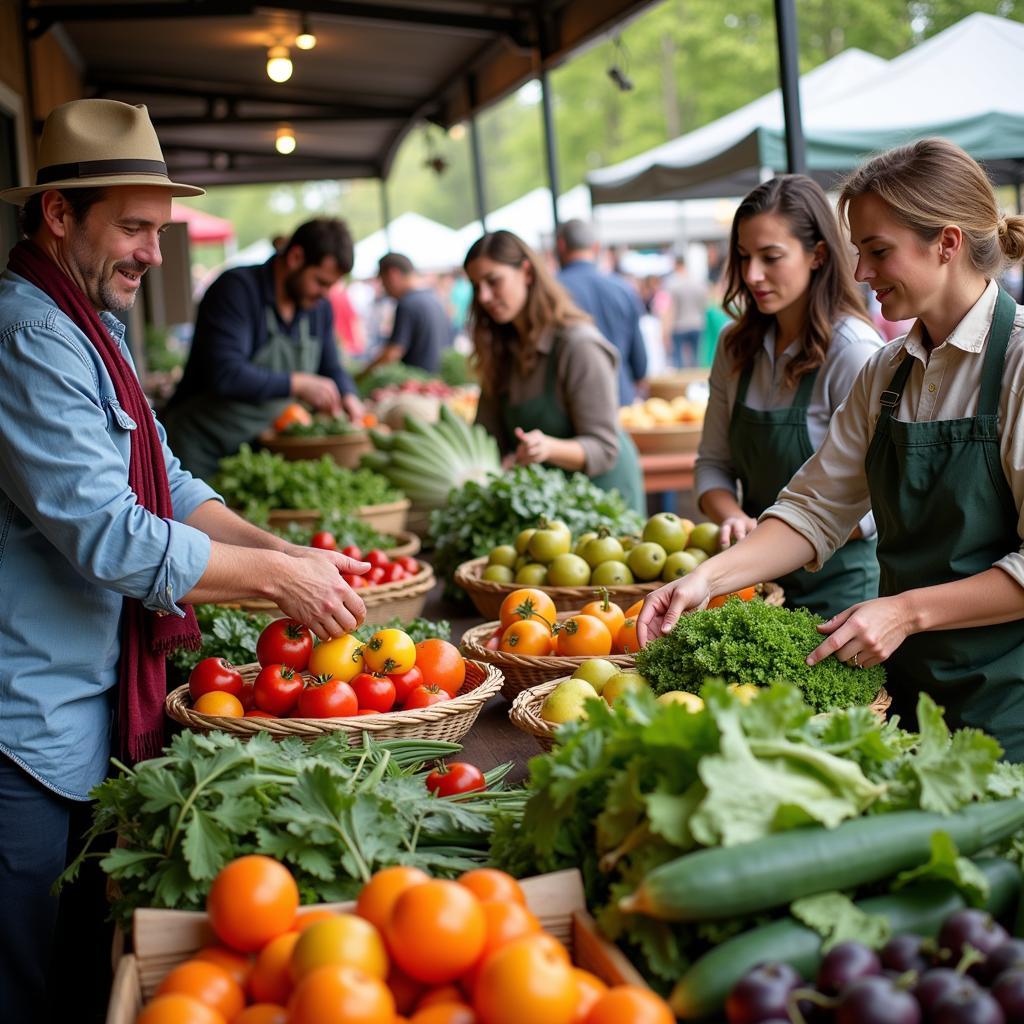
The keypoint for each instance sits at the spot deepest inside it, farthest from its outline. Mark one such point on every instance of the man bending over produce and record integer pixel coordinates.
(105, 541)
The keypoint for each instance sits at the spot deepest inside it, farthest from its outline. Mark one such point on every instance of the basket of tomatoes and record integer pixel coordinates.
(532, 641)
(388, 686)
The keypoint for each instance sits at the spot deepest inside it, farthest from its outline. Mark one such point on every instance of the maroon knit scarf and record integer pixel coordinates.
(147, 638)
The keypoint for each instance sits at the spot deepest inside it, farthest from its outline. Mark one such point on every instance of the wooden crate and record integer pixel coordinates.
(165, 938)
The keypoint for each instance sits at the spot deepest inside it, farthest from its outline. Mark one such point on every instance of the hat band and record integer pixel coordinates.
(99, 168)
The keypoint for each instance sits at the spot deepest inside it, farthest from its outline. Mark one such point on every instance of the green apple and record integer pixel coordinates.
(705, 537)
(611, 574)
(568, 571)
(547, 544)
(582, 541)
(622, 683)
(503, 554)
(603, 549)
(533, 574)
(596, 671)
(701, 556)
(666, 529)
(679, 563)
(690, 701)
(499, 574)
(629, 542)
(565, 703)
(646, 561)
(523, 540)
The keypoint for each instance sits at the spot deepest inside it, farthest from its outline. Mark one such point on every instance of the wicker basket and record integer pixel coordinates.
(674, 385)
(487, 596)
(525, 711)
(345, 449)
(449, 721)
(407, 543)
(671, 439)
(387, 518)
(522, 671)
(404, 599)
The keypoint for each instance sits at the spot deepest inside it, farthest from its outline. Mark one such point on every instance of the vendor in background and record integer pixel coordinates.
(548, 378)
(422, 330)
(800, 337)
(932, 439)
(264, 337)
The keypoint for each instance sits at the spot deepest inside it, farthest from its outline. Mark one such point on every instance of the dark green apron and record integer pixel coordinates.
(545, 413)
(204, 429)
(945, 512)
(768, 446)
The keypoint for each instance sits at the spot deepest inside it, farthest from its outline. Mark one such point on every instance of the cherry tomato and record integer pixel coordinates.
(406, 682)
(374, 692)
(277, 689)
(324, 540)
(215, 675)
(331, 698)
(378, 559)
(285, 642)
(409, 564)
(393, 573)
(374, 576)
(425, 696)
(353, 551)
(455, 777)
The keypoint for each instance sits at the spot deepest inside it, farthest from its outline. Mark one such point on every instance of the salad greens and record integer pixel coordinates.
(755, 642)
(228, 633)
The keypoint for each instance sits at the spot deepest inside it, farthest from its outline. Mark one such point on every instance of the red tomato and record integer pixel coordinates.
(277, 689)
(455, 777)
(215, 675)
(247, 696)
(409, 564)
(355, 582)
(329, 699)
(325, 540)
(353, 552)
(406, 683)
(257, 713)
(285, 642)
(374, 692)
(424, 696)
(366, 711)
(394, 572)
(378, 559)
(375, 576)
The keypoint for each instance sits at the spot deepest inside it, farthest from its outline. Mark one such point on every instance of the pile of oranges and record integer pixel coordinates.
(416, 950)
(529, 626)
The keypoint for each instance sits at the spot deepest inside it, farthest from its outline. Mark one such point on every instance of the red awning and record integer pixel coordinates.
(203, 227)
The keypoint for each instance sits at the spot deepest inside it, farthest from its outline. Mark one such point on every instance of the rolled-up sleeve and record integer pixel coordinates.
(715, 469)
(588, 379)
(63, 470)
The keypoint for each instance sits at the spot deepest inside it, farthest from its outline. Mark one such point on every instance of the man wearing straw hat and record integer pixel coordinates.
(105, 542)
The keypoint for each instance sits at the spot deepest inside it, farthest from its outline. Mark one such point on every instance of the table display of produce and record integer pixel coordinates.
(659, 426)
(298, 435)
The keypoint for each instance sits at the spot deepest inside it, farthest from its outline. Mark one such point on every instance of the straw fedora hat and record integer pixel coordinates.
(94, 143)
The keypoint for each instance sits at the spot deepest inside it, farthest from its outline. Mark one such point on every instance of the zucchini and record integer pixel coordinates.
(919, 909)
(731, 881)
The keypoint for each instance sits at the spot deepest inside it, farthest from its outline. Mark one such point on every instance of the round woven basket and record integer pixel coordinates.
(671, 439)
(525, 711)
(387, 518)
(345, 449)
(449, 721)
(404, 599)
(406, 543)
(522, 671)
(487, 596)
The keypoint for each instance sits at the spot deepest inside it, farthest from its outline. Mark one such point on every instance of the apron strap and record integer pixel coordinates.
(992, 370)
(741, 388)
(550, 370)
(802, 399)
(890, 398)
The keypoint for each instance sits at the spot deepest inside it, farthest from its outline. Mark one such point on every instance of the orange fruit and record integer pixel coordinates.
(591, 988)
(527, 980)
(629, 1004)
(262, 1013)
(341, 995)
(271, 978)
(237, 965)
(378, 896)
(445, 1013)
(307, 917)
(207, 983)
(347, 939)
(492, 884)
(251, 901)
(178, 1008)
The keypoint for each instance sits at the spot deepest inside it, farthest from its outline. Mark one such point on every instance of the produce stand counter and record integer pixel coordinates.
(667, 474)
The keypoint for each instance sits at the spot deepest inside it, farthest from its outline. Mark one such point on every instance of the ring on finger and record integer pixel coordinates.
(855, 661)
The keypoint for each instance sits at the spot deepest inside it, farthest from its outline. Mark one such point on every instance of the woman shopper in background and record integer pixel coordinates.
(548, 378)
(932, 439)
(780, 372)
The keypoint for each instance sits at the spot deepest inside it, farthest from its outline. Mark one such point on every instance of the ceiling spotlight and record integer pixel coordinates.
(279, 64)
(284, 141)
(306, 39)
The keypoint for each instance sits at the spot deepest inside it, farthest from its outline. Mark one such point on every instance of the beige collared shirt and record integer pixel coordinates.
(829, 494)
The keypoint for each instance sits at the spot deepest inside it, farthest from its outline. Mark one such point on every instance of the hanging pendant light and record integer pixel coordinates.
(284, 140)
(279, 64)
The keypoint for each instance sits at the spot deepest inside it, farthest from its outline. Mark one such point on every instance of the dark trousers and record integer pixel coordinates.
(54, 954)
(684, 348)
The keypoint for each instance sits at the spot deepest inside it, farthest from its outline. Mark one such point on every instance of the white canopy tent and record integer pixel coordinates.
(431, 246)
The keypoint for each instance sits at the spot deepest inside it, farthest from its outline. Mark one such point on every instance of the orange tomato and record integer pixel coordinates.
(251, 901)
(262, 1013)
(306, 918)
(607, 611)
(441, 664)
(437, 996)
(626, 641)
(583, 636)
(347, 939)
(591, 988)
(271, 978)
(237, 965)
(369, 420)
(445, 1013)
(207, 983)
(341, 995)
(527, 637)
(527, 980)
(293, 413)
(177, 1008)
(223, 705)
(492, 884)
(634, 609)
(526, 603)
(378, 896)
(436, 931)
(628, 1004)
(746, 594)
(505, 922)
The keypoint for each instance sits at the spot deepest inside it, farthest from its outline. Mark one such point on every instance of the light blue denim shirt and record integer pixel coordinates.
(74, 542)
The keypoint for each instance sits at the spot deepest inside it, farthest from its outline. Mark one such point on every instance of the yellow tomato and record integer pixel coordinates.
(341, 658)
(347, 940)
(390, 652)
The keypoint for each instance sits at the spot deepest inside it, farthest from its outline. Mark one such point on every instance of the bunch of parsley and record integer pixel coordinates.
(755, 642)
(333, 814)
(228, 633)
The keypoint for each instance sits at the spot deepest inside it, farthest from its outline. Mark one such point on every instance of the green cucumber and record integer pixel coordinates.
(919, 909)
(731, 881)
